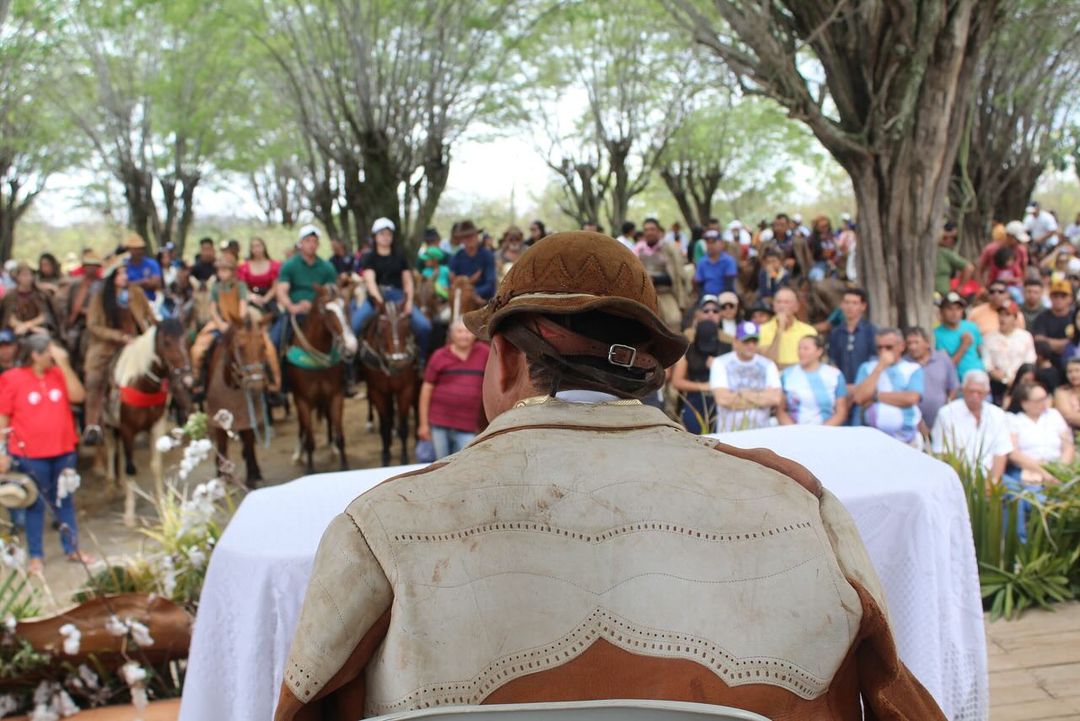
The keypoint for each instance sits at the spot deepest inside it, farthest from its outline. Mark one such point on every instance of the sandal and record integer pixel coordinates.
(80, 557)
(35, 567)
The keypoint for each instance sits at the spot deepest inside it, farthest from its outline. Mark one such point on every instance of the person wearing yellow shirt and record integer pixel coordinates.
(783, 347)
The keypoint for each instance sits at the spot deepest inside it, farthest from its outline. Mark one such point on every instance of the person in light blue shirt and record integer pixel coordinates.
(958, 337)
(814, 394)
(888, 390)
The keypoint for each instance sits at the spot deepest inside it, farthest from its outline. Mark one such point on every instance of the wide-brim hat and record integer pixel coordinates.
(17, 490)
(135, 241)
(225, 260)
(115, 263)
(92, 258)
(577, 272)
(466, 227)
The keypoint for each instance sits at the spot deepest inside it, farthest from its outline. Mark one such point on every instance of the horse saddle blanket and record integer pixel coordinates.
(300, 358)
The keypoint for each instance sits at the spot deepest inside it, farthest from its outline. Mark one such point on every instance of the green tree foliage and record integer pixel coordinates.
(734, 148)
(156, 87)
(34, 138)
(1026, 90)
(383, 89)
(629, 60)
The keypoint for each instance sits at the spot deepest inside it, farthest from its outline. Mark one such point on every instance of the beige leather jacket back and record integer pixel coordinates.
(568, 528)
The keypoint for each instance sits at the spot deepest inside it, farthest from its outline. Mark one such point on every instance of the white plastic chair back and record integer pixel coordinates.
(610, 710)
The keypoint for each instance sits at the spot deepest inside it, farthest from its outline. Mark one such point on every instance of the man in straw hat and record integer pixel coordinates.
(143, 271)
(584, 546)
(473, 261)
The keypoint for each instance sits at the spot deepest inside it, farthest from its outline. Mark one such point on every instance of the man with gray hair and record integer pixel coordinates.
(888, 389)
(973, 429)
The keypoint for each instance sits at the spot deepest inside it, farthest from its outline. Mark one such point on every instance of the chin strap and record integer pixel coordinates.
(586, 363)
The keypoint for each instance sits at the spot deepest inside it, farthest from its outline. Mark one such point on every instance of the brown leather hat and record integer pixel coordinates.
(466, 227)
(568, 273)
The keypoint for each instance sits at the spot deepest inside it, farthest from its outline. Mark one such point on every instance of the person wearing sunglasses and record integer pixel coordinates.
(888, 390)
(985, 315)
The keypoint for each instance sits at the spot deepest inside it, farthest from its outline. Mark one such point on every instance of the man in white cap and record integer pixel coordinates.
(297, 280)
(737, 233)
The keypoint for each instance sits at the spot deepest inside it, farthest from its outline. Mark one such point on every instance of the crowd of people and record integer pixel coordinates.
(778, 329)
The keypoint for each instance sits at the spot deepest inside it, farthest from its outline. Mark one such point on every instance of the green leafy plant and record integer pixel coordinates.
(1017, 575)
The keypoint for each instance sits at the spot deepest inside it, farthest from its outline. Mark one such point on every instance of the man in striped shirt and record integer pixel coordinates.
(888, 389)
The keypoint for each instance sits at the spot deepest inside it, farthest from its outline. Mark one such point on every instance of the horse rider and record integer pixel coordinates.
(296, 283)
(25, 309)
(473, 261)
(229, 307)
(83, 288)
(118, 314)
(389, 278)
(585, 546)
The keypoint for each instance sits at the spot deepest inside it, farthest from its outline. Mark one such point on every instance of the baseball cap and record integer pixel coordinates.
(953, 298)
(307, 230)
(382, 224)
(7, 336)
(710, 298)
(1073, 266)
(1060, 285)
(760, 306)
(1016, 229)
(735, 224)
(431, 234)
(727, 297)
(710, 234)
(747, 329)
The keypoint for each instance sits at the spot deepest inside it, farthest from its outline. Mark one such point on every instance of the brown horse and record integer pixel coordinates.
(236, 384)
(315, 370)
(390, 367)
(147, 370)
(463, 298)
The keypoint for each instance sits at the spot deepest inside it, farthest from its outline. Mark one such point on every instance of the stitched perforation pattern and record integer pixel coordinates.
(631, 637)
(643, 526)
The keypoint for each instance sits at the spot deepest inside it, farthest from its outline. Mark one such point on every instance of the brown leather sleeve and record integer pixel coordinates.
(97, 325)
(769, 459)
(890, 692)
(343, 697)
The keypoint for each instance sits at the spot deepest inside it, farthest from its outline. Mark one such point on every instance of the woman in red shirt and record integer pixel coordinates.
(260, 273)
(35, 412)
(451, 398)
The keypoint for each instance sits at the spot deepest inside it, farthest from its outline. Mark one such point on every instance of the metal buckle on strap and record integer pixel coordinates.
(622, 355)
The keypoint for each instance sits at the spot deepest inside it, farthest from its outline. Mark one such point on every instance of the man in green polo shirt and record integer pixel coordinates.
(297, 280)
(950, 264)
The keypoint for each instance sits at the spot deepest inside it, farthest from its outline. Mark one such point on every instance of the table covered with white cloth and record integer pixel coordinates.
(909, 508)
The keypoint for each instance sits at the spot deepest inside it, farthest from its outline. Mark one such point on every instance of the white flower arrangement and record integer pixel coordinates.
(72, 638)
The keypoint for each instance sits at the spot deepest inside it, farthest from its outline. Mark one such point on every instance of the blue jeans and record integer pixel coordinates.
(1014, 484)
(421, 326)
(449, 440)
(46, 472)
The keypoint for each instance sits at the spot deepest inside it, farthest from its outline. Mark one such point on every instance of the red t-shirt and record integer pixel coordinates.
(38, 412)
(1013, 274)
(459, 385)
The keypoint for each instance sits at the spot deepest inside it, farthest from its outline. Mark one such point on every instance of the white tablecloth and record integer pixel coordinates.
(908, 507)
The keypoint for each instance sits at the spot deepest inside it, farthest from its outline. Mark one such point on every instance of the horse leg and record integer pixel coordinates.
(156, 465)
(403, 429)
(221, 440)
(370, 414)
(110, 450)
(126, 441)
(386, 428)
(337, 413)
(251, 463)
(307, 437)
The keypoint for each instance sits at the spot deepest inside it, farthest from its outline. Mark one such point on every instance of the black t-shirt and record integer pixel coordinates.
(1052, 326)
(388, 268)
(202, 270)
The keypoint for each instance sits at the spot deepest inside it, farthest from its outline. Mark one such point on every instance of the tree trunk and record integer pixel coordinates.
(899, 218)
(676, 185)
(187, 212)
(1011, 203)
(138, 195)
(436, 173)
(376, 194)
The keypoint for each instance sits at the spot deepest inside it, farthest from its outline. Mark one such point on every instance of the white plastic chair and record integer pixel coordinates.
(609, 710)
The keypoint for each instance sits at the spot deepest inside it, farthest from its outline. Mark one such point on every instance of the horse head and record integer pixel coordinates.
(329, 309)
(391, 338)
(246, 356)
(172, 353)
(463, 297)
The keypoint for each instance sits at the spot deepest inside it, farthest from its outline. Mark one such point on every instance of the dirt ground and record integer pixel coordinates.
(101, 529)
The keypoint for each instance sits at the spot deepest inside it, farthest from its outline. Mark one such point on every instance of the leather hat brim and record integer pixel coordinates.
(667, 346)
